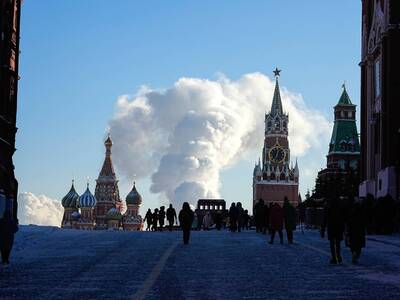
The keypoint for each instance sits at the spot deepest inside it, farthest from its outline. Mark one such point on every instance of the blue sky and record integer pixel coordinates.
(79, 56)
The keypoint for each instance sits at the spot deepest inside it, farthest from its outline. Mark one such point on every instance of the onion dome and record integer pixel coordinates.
(70, 200)
(87, 199)
(134, 198)
(114, 214)
(75, 215)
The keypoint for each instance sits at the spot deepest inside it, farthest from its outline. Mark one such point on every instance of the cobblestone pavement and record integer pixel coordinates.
(50, 263)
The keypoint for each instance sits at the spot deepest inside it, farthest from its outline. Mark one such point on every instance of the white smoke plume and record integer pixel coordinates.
(39, 210)
(185, 135)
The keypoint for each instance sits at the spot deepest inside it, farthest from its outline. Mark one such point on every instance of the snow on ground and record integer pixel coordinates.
(52, 263)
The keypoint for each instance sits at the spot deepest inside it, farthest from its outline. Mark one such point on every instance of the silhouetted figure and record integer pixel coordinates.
(186, 217)
(290, 217)
(240, 216)
(233, 217)
(155, 219)
(161, 217)
(276, 222)
(171, 217)
(218, 220)
(148, 218)
(8, 227)
(259, 215)
(356, 230)
(207, 221)
(266, 221)
(246, 220)
(334, 221)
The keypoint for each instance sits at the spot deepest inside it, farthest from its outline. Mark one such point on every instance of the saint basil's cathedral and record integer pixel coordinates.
(274, 178)
(103, 210)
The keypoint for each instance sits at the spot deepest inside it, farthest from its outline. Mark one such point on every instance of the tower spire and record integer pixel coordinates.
(276, 107)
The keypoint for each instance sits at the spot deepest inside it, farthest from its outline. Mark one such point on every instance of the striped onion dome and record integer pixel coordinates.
(87, 199)
(114, 214)
(70, 200)
(75, 215)
(134, 197)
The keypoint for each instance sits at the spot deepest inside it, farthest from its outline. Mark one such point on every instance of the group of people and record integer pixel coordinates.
(239, 218)
(156, 220)
(273, 218)
(344, 219)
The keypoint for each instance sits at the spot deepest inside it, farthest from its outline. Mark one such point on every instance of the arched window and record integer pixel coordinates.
(277, 123)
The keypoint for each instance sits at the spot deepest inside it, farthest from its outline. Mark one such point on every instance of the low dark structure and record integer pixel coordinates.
(213, 206)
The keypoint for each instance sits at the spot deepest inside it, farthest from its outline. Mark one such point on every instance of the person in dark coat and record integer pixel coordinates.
(171, 217)
(334, 221)
(186, 217)
(356, 230)
(8, 218)
(149, 219)
(265, 220)
(240, 216)
(246, 224)
(218, 220)
(259, 215)
(276, 222)
(233, 217)
(290, 217)
(161, 217)
(155, 219)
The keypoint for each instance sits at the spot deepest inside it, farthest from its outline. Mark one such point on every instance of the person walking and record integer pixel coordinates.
(207, 221)
(356, 230)
(149, 219)
(218, 220)
(8, 214)
(334, 222)
(161, 217)
(276, 222)
(240, 216)
(233, 216)
(246, 224)
(266, 216)
(186, 217)
(290, 217)
(259, 215)
(8, 223)
(171, 217)
(155, 219)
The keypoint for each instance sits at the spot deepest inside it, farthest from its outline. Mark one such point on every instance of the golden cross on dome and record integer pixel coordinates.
(277, 72)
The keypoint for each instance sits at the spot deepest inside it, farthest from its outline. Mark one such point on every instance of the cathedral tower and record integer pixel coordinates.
(273, 177)
(106, 192)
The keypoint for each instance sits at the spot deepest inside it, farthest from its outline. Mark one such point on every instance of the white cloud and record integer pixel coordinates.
(185, 135)
(39, 210)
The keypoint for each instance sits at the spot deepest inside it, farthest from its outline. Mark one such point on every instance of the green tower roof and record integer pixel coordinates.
(344, 135)
(345, 99)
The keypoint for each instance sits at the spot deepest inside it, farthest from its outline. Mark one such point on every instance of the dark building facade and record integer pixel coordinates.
(213, 206)
(10, 11)
(380, 94)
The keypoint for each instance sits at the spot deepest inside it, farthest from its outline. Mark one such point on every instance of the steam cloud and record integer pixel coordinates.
(39, 210)
(185, 135)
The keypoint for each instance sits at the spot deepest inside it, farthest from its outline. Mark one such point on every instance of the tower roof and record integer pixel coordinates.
(134, 197)
(276, 107)
(70, 200)
(344, 98)
(87, 199)
(107, 170)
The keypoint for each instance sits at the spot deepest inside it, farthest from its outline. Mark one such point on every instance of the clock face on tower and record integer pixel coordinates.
(277, 155)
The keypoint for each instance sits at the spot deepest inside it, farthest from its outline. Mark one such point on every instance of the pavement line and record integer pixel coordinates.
(315, 249)
(151, 279)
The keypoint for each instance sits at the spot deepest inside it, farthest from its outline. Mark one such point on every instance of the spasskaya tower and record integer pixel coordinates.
(274, 176)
